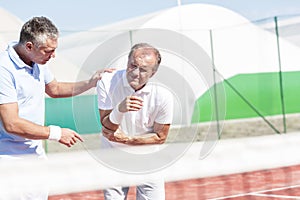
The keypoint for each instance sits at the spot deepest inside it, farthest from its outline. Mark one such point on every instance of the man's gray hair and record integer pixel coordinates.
(37, 30)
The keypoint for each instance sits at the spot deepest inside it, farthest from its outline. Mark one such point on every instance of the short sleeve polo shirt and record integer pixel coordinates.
(25, 85)
(157, 104)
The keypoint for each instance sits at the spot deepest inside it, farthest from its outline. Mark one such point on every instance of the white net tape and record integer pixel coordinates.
(65, 173)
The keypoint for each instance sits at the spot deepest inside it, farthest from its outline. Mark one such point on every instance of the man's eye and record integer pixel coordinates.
(49, 51)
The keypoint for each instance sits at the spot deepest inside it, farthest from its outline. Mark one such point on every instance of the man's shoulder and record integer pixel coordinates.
(115, 75)
(4, 59)
(109, 80)
(6, 65)
(7, 56)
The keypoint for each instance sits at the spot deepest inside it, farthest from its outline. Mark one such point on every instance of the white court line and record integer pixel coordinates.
(274, 195)
(258, 193)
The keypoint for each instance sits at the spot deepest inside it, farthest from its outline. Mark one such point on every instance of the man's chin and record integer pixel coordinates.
(133, 84)
(137, 87)
(43, 62)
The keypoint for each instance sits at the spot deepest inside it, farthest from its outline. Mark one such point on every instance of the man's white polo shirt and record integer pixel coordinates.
(25, 85)
(157, 104)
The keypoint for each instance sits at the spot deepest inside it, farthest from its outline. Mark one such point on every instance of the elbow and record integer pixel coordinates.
(53, 91)
(105, 122)
(9, 127)
(161, 140)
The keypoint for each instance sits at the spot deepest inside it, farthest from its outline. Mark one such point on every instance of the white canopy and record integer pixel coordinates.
(187, 36)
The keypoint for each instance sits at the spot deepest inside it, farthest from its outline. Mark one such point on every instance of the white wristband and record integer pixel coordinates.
(116, 116)
(55, 133)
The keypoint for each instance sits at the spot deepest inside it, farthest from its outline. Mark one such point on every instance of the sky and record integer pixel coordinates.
(77, 15)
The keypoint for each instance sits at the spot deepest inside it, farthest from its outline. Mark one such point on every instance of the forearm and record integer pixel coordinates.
(66, 89)
(27, 129)
(148, 138)
(158, 136)
(121, 137)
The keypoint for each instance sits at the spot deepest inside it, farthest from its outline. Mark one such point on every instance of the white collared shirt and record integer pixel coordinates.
(24, 85)
(157, 102)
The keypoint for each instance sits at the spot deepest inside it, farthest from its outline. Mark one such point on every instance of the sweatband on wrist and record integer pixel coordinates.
(55, 133)
(116, 116)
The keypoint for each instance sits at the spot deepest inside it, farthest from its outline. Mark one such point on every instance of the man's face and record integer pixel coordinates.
(140, 68)
(43, 53)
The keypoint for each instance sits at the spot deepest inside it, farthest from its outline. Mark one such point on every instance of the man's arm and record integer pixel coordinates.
(113, 133)
(105, 121)
(24, 128)
(158, 136)
(57, 89)
(110, 119)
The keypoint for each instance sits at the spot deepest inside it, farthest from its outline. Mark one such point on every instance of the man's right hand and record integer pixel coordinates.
(69, 137)
(131, 103)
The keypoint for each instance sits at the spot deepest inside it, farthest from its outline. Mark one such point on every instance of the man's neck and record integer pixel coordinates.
(20, 51)
(139, 88)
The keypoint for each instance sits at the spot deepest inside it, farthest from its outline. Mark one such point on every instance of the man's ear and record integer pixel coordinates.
(29, 46)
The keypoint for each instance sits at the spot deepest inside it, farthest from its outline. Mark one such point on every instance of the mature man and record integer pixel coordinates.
(134, 111)
(24, 79)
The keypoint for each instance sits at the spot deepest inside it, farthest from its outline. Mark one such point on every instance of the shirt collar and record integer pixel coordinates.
(15, 57)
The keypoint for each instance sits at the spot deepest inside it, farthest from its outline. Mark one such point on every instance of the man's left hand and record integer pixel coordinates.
(98, 75)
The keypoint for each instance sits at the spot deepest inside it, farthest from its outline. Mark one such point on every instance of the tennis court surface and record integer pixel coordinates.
(280, 183)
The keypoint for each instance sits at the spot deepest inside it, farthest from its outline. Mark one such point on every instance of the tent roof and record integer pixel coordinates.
(9, 28)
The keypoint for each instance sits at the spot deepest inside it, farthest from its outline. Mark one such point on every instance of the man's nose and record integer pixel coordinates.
(136, 71)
